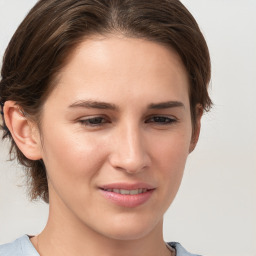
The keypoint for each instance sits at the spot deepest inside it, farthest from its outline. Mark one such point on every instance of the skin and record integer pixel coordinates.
(131, 143)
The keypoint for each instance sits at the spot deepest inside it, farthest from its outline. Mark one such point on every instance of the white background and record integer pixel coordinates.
(215, 210)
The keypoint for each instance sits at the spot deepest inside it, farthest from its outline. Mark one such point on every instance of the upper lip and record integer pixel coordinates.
(127, 186)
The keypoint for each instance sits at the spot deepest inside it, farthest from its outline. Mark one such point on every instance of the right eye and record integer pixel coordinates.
(93, 121)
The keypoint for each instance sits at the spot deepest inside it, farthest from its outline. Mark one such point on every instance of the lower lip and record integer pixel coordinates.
(129, 201)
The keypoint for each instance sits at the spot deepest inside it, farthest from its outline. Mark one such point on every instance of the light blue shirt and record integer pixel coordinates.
(23, 247)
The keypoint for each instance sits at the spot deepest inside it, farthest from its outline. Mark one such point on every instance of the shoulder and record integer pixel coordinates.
(180, 250)
(20, 247)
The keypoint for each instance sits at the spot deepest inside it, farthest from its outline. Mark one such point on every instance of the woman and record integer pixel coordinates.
(102, 102)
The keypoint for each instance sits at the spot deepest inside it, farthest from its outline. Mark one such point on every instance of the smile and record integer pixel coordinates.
(127, 192)
(127, 195)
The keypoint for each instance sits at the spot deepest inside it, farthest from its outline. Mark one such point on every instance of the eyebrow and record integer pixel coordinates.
(93, 104)
(110, 106)
(167, 104)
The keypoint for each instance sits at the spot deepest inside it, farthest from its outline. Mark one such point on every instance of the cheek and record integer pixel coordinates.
(69, 157)
(172, 165)
(171, 149)
(170, 155)
(72, 166)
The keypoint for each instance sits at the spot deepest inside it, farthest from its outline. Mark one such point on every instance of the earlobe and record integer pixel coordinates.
(24, 132)
(197, 128)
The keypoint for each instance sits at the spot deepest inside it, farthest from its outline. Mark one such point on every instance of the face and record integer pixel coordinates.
(116, 132)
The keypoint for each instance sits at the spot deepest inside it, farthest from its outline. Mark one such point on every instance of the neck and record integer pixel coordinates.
(66, 236)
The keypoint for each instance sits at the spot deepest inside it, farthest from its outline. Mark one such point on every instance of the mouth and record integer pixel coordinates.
(127, 192)
(127, 195)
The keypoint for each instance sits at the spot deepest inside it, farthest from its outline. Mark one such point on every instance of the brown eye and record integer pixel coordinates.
(162, 120)
(94, 121)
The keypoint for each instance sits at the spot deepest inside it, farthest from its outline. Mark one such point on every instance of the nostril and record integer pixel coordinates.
(128, 165)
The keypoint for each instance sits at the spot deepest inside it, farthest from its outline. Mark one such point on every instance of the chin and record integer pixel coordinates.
(135, 229)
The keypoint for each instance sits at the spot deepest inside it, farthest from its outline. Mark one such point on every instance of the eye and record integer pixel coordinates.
(93, 121)
(161, 120)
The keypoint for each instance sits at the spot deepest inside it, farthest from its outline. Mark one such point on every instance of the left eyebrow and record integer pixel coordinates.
(167, 104)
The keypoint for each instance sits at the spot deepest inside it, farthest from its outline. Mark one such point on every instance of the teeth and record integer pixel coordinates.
(134, 192)
(128, 192)
(124, 192)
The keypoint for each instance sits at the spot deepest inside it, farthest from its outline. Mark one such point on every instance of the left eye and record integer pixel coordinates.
(161, 120)
(94, 121)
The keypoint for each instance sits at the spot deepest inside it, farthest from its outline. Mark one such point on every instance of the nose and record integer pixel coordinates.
(129, 150)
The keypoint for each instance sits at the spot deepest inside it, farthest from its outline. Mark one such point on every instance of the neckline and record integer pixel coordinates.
(28, 237)
(171, 248)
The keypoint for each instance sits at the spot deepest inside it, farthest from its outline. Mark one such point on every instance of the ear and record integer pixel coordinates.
(197, 128)
(24, 132)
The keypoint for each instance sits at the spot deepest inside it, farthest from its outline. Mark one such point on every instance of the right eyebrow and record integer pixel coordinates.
(93, 104)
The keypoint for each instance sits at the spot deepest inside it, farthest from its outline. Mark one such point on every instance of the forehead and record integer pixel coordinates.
(130, 66)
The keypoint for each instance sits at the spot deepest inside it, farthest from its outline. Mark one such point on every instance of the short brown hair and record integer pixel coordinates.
(53, 28)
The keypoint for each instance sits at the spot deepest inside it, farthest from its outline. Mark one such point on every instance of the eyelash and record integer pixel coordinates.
(164, 120)
(89, 121)
(100, 121)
